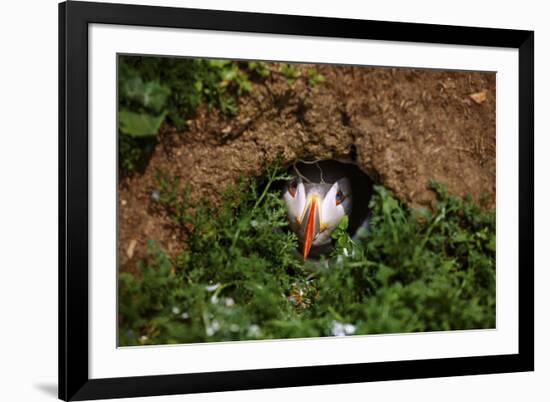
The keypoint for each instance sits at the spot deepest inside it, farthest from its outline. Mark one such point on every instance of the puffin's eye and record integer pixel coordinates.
(292, 187)
(340, 197)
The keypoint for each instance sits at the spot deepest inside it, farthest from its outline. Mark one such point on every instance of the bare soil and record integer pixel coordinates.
(403, 127)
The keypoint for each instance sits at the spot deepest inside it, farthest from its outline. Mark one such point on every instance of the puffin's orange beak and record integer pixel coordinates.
(310, 227)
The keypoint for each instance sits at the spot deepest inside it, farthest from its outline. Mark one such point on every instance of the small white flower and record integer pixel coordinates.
(229, 302)
(144, 338)
(254, 223)
(254, 330)
(175, 310)
(349, 329)
(212, 328)
(185, 315)
(337, 328)
(214, 299)
(211, 288)
(340, 329)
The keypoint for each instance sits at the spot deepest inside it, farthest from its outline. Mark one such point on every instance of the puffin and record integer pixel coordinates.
(315, 206)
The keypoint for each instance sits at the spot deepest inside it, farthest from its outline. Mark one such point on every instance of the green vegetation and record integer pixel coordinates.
(241, 278)
(152, 90)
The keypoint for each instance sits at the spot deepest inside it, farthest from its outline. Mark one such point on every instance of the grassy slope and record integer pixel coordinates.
(241, 278)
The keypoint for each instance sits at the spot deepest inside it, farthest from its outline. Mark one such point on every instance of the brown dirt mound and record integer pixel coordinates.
(401, 126)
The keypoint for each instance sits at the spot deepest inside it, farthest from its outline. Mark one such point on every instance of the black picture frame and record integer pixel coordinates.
(74, 381)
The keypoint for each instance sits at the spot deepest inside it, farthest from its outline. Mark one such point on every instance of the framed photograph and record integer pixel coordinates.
(257, 201)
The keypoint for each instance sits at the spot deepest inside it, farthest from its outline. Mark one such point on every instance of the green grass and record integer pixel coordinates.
(241, 278)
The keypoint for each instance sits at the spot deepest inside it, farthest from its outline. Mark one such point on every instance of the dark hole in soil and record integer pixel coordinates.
(331, 171)
(345, 118)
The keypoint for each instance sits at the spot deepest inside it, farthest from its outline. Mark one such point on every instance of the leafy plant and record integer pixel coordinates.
(314, 78)
(290, 72)
(258, 67)
(154, 89)
(240, 276)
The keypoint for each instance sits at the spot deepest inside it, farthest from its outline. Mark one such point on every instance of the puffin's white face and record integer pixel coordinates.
(314, 210)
